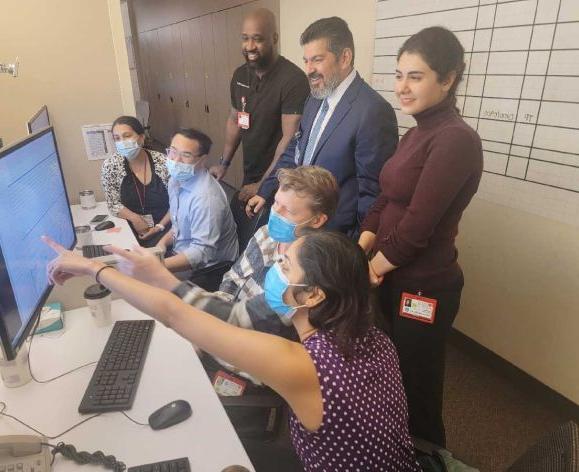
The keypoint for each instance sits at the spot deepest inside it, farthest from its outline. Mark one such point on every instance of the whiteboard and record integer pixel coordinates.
(520, 91)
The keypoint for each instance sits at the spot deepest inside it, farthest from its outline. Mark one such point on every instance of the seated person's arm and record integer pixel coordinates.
(250, 313)
(111, 184)
(206, 216)
(166, 241)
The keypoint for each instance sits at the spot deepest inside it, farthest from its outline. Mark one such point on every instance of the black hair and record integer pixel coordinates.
(199, 136)
(129, 121)
(335, 30)
(338, 266)
(441, 50)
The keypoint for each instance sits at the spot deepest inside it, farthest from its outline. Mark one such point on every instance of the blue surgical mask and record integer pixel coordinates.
(281, 229)
(276, 284)
(128, 149)
(180, 171)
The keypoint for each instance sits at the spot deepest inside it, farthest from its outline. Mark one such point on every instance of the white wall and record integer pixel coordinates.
(67, 52)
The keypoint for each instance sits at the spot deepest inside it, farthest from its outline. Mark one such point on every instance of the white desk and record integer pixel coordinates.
(121, 235)
(71, 294)
(172, 371)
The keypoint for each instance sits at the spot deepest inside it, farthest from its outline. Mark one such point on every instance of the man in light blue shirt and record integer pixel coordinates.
(203, 231)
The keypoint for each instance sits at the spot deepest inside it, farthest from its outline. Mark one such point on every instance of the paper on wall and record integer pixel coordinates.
(98, 141)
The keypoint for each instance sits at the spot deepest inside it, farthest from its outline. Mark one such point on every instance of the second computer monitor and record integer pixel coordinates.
(39, 121)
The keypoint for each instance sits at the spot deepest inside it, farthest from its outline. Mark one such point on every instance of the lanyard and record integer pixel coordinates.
(142, 200)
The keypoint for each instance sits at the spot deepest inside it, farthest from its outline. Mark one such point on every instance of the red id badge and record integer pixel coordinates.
(243, 119)
(228, 385)
(418, 308)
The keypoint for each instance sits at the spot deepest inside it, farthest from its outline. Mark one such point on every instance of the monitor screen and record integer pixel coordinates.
(33, 202)
(39, 121)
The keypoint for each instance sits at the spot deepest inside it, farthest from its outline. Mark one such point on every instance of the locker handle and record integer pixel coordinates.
(187, 104)
(158, 96)
(171, 98)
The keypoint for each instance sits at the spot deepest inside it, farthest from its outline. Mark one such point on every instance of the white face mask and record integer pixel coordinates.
(180, 171)
(128, 148)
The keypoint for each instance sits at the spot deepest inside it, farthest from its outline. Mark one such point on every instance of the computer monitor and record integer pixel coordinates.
(33, 202)
(39, 121)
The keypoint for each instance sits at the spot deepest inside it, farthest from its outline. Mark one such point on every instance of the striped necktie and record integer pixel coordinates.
(310, 148)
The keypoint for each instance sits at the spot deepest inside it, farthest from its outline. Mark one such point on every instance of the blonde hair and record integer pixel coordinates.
(316, 183)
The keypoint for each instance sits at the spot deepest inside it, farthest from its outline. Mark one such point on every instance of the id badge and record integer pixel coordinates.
(243, 119)
(227, 385)
(149, 220)
(417, 307)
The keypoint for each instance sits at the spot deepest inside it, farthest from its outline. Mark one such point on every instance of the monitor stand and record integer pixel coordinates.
(16, 372)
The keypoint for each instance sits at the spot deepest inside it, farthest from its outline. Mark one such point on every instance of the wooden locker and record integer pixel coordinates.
(194, 74)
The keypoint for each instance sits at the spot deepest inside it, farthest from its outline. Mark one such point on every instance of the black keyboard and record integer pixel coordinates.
(94, 250)
(174, 465)
(114, 382)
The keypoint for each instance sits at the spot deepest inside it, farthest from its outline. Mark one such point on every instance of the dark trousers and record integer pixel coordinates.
(421, 351)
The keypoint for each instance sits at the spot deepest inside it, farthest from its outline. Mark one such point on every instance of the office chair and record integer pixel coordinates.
(209, 278)
(246, 227)
(230, 190)
(257, 414)
(555, 452)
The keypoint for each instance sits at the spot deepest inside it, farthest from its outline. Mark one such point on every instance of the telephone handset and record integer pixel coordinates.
(24, 449)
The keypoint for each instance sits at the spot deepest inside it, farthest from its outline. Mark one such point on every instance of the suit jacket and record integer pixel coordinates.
(360, 136)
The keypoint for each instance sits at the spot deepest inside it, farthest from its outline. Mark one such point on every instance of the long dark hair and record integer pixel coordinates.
(339, 267)
(441, 50)
(129, 121)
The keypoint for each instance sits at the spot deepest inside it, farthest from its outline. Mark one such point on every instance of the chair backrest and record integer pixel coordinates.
(143, 112)
(246, 227)
(229, 190)
(555, 452)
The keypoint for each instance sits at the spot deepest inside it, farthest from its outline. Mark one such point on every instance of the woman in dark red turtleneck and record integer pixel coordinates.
(411, 228)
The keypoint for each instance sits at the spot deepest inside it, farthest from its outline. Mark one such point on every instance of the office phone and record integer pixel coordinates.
(24, 452)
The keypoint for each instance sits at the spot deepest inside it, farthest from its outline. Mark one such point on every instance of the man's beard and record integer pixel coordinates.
(331, 82)
(262, 61)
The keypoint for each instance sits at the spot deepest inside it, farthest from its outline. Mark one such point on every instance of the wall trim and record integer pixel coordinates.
(522, 379)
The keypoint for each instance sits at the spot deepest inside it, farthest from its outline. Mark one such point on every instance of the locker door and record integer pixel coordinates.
(194, 75)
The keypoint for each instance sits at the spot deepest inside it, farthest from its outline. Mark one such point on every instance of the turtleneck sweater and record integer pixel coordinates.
(425, 187)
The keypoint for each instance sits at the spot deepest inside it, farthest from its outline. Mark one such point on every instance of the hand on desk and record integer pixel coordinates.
(150, 232)
(144, 266)
(140, 225)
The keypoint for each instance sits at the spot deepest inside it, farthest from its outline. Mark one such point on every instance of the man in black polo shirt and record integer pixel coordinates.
(267, 98)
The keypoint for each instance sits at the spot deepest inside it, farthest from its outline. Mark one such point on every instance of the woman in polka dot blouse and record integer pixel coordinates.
(342, 381)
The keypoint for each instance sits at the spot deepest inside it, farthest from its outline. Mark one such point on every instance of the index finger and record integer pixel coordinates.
(120, 252)
(58, 248)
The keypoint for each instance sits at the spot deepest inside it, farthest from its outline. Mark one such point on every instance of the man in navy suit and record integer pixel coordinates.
(346, 126)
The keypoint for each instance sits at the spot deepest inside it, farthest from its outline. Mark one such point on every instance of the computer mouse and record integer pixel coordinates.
(104, 225)
(170, 414)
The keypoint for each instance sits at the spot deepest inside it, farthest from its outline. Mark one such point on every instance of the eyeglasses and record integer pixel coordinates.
(182, 154)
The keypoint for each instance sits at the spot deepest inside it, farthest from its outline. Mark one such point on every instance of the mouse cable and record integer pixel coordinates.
(134, 421)
(30, 363)
(83, 457)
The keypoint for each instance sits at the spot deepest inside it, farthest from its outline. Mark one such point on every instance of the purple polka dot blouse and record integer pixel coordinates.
(365, 418)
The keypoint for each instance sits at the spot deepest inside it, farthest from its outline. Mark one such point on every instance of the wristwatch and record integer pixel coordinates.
(160, 226)
(223, 162)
